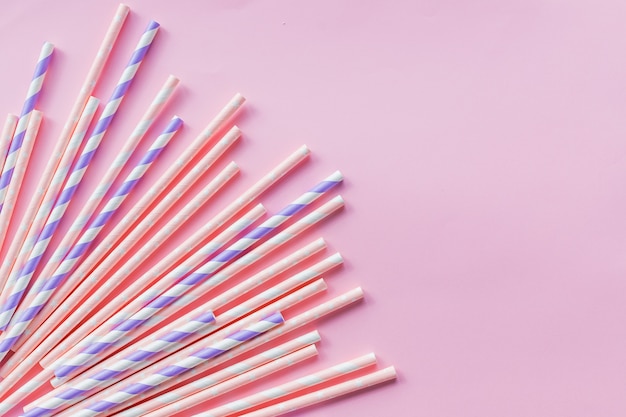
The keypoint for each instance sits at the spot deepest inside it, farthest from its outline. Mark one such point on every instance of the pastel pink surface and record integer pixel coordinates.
(484, 151)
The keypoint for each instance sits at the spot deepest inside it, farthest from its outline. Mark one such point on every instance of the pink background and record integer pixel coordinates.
(484, 150)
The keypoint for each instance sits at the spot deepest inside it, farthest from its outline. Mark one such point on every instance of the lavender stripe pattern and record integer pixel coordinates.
(99, 377)
(75, 178)
(171, 371)
(120, 331)
(19, 324)
(34, 90)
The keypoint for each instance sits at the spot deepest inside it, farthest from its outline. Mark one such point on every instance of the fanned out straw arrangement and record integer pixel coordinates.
(147, 353)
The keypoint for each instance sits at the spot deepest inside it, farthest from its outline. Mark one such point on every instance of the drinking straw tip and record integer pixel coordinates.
(337, 258)
(153, 25)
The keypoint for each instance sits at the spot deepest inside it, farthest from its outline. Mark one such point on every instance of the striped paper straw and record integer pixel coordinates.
(29, 361)
(21, 322)
(224, 216)
(218, 278)
(242, 366)
(85, 278)
(131, 219)
(45, 194)
(201, 274)
(89, 209)
(5, 141)
(34, 90)
(14, 288)
(286, 302)
(74, 392)
(78, 172)
(5, 138)
(225, 323)
(237, 382)
(241, 288)
(63, 168)
(173, 369)
(288, 388)
(292, 324)
(353, 385)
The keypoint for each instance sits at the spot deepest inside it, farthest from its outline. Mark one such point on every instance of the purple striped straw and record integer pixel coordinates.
(34, 90)
(21, 321)
(170, 371)
(20, 283)
(77, 391)
(91, 352)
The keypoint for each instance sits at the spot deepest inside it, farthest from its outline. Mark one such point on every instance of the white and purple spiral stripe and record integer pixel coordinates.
(171, 371)
(19, 324)
(90, 352)
(80, 390)
(78, 171)
(34, 90)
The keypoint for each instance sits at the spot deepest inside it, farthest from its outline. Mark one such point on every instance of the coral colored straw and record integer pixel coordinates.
(292, 324)
(21, 320)
(33, 255)
(283, 390)
(215, 379)
(115, 168)
(252, 193)
(316, 397)
(236, 382)
(43, 200)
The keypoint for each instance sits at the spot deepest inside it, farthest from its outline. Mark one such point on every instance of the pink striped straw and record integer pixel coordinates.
(290, 325)
(170, 369)
(216, 279)
(284, 390)
(64, 167)
(115, 168)
(60, 322)
(148, 350)
(42, 201)
(133, 377)
(27, 266)
(250, 195)
(278, 296)
(112, 246)
(5, 141)
(214, 379)
(307, 400)
(237, 382)
(80, 287)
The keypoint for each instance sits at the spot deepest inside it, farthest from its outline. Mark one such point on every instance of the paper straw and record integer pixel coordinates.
(76, 391)
(5, 139)
(47, 190)
(225, 215)
(247, 260)
(64, 167)
(21, 321)
(152, 349)
(21, 281)
(242, 366)
(83, 281)
(89, 209)
(203, 273)
(237, 382)
(353, 385)
(290, 325)
(131, 219)
(34, 90)
(280, 297)
(288, 388)
(173, 369)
